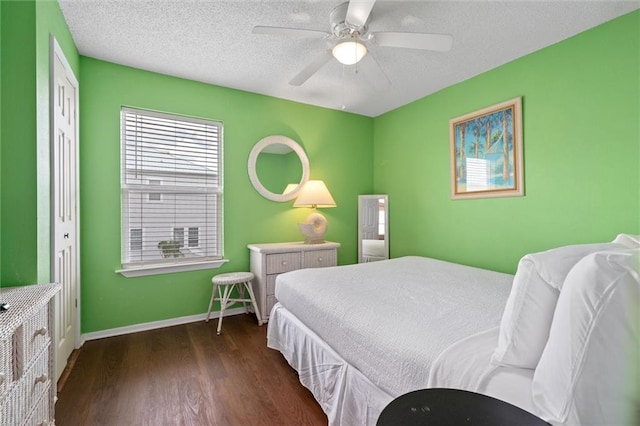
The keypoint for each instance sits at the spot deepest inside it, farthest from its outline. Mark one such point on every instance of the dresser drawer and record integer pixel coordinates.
(6, 367)
(319, 258)
(27, 391)
(36, 334)
(271, 284)
(9, 409)
(282, 262)
(39, 414)
(270, 260)
(37, 380)
(271, 300)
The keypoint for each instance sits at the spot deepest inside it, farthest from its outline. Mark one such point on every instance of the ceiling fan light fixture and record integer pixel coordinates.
(349, 52)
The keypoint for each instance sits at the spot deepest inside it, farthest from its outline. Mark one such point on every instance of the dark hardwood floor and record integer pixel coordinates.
(185, 375)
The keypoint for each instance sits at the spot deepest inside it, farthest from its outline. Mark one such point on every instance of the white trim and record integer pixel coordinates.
(56, 51)
(143, 271)
(136, 328)
(202, 187)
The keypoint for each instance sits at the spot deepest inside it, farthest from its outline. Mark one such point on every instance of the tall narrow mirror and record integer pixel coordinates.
(373, 228)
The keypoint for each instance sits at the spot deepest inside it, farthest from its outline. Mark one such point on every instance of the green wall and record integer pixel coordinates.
(338, 146)
(19, 236)
(0, 146)
(24, 174)
(581, 142)
(276, 171)
(581, 155)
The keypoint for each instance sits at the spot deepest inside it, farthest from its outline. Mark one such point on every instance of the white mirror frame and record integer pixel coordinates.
(253, 158)
(362, 219)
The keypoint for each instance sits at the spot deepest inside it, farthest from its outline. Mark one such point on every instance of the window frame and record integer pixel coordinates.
(190, 238)
(156, 182)
(153, 267)
(131, 239)
(178, 234)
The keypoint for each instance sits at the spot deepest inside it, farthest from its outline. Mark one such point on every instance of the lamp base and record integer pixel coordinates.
(314, 228)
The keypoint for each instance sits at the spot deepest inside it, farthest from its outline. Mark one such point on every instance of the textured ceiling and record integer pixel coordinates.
(212, 42)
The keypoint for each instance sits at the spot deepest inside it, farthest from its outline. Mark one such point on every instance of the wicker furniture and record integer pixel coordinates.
(270, 260)
(27, 382)
(230, 281)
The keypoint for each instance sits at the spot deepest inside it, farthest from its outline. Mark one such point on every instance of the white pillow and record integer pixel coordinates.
(589, 373)
(628, 240)
(527, 316)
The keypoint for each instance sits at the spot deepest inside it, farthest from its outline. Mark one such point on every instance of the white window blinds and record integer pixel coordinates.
(171, 181)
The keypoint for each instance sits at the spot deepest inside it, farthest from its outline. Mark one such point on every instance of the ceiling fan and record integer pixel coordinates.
(349, 38)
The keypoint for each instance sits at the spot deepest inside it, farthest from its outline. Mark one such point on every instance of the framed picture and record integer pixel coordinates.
(486, 152)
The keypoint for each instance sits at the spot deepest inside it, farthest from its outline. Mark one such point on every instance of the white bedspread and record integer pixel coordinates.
(391, 319)
(346, 396)
(467, 365)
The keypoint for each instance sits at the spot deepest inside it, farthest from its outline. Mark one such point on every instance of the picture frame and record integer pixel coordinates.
(486, 170)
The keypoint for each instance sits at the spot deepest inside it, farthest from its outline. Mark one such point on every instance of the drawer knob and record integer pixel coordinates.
(319, 259)
(43, 378)
(42, 331)
(284, 263)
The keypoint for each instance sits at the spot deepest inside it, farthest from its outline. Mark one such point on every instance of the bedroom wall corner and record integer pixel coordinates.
(24, 181)
(338, 145)
(581, 155)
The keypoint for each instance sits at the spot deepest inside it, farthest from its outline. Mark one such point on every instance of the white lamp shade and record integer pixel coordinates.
(349, 52)
(290, 188)
(314, 194)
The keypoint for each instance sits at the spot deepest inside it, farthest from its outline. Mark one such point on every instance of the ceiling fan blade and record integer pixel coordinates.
(311, 69)
(374, 73)
(358, 12)
(295, 32)
(423, 41)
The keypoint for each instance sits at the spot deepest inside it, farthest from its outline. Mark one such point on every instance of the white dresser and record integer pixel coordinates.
(270, 260)
(27, 384)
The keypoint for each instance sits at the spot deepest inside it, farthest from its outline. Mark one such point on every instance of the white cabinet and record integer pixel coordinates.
(27, 385)
(270, 260)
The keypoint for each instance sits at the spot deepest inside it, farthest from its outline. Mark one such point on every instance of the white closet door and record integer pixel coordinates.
(65, 255)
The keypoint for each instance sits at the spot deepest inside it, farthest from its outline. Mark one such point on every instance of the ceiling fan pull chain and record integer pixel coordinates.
(344, 106)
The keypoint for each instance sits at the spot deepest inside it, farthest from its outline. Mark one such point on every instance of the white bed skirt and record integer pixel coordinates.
(346, 396)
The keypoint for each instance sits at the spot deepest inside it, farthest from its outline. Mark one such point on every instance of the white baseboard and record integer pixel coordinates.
(155, 325)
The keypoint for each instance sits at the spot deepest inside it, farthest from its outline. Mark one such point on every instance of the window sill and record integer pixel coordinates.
(142, 271)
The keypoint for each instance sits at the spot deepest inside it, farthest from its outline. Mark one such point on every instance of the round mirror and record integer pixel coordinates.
(278, 167)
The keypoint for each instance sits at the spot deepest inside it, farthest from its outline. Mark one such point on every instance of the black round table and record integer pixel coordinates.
(451, 407)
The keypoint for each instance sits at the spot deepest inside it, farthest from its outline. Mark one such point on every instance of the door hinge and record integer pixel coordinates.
(76, 303)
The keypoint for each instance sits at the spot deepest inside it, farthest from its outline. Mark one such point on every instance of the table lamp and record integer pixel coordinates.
(290, 188)
(314, 194)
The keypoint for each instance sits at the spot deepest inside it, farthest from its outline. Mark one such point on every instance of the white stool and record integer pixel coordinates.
(238, 280)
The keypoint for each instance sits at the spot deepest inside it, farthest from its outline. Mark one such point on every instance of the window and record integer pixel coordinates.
(176, 160)
(178, 235)
(194, 235)
(154, 196)
(135, 239)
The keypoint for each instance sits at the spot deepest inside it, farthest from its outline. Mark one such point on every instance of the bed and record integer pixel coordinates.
(361, 335)
(373, 250)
